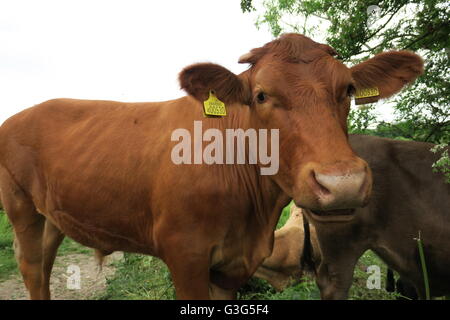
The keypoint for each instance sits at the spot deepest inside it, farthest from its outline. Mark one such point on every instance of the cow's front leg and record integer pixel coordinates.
(189, 268)
(334, 278)
(218, 293)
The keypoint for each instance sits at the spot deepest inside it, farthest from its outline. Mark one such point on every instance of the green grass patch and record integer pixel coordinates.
(140, 277)
(8, 263)
(284, 215)
(258, 289)
(359, 289)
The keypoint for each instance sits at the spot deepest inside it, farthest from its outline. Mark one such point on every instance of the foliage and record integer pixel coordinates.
(284, 215)
(422, 111)
(359, 290)
(257, 289)
(7, 261)
(443, 164)
(360, 119)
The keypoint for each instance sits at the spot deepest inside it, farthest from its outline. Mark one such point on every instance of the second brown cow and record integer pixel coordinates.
(408, 199)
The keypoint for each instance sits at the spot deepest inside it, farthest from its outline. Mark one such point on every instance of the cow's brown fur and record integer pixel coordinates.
(408, 198)
(101, 173)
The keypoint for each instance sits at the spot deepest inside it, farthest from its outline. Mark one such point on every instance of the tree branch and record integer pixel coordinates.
(417, 39)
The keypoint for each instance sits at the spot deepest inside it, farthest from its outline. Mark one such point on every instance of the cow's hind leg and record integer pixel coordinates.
(28, 252)
(50, 244)
(28, 227)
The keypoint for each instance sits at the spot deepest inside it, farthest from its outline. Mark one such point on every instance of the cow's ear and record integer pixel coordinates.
(199, 79)
(388, 71)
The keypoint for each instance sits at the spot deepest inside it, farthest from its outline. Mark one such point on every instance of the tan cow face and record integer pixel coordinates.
(297, 86)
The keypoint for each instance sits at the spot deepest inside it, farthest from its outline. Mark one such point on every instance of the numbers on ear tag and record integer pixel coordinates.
(367, 95)
(213, 106)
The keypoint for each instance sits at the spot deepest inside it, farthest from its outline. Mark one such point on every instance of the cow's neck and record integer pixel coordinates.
(264, 199)
(264, 191)
(267, 198)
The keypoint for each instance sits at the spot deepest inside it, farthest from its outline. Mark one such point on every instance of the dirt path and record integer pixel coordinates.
(91, 282)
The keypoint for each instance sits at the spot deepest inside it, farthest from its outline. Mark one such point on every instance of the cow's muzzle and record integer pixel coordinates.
(334, 189)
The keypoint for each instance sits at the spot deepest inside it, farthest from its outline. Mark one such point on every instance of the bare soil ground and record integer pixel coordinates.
(92, 282)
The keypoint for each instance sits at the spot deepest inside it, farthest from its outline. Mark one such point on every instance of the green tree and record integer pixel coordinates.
(357, 30)
(443, 164)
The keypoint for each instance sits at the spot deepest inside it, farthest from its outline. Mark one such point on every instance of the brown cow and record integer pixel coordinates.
(282, 267)
(407, 198)
(101, 172)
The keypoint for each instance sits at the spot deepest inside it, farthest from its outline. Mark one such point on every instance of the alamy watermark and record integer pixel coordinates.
(74, 277)
(374, 279)
(221, 150)
(373, 14)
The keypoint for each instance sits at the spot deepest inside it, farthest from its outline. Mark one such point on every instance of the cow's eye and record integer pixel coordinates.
(261, 97)
(350, 90)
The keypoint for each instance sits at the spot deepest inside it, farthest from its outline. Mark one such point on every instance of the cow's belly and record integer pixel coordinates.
(98, 209)
(104, 234)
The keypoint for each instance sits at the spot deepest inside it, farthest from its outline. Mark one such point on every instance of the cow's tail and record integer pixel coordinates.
(307, 262)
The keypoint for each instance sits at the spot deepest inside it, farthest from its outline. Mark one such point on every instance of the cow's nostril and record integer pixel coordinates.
(340, 191)
(350, 183)
(319, 188)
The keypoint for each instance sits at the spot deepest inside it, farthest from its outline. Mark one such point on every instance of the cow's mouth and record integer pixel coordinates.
(341, 215)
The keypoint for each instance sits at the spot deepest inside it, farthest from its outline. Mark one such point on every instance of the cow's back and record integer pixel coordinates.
(403, 173)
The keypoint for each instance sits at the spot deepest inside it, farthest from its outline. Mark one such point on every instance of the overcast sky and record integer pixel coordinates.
(116, 50)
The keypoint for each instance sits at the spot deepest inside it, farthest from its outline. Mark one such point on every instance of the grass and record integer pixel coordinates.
(359, 290)
(284, 215)
(142, 277)
(7, 261)
(8, 265)
(139, 277)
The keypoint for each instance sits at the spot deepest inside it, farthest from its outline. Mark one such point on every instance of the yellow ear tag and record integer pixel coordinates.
(213, 106)
(366, 95)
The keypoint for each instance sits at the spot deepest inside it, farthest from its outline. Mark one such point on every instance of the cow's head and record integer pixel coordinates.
(296, 85)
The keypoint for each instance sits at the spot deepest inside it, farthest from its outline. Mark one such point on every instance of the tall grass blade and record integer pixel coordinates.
(424, 268)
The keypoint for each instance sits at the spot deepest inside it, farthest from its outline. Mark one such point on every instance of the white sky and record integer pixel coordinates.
(115, 49)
